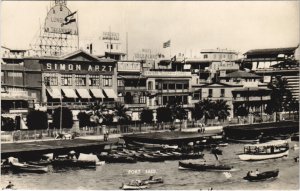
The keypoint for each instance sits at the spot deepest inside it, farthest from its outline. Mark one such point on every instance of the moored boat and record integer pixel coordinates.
(23, 167)
(152, 180)
(262, 176)
(204, 167)
(134, 185)
(263, 151)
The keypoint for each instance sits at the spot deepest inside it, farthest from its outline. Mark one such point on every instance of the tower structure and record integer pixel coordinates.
(59, 33)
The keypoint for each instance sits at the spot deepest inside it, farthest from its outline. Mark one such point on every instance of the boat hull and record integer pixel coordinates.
(29, 168)
(73, 163)
(263, 176)
(256, 157)
(204, 167)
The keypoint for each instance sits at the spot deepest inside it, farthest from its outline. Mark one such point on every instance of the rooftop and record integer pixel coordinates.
(288, 50)
(241, 74)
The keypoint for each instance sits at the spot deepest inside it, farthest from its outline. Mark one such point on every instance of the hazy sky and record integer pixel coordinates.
(192, 25)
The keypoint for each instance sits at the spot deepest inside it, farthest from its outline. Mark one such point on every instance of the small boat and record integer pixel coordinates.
(64, 161)
(170, 147)
(134, 185)
(23, 167)
(204, 167)
(115, 158)
(41, 162)
(249, 141)
(263, 151)
(152, 180)
(223, 144)
(262, 176)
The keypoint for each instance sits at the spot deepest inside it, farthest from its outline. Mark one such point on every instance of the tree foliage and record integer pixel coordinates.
(147, 116)
(164, 114)
(37, 120)
(67, 118)
(121, 112)
(241, 111)
(7, 124)
(280, 95)
(208, 109)
(84, 119)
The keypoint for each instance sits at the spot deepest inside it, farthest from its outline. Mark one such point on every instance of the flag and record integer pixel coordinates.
(69, 19)
(173, 59)
(167, 44)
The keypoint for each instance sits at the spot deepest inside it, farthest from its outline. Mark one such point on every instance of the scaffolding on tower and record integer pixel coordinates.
(59, 34)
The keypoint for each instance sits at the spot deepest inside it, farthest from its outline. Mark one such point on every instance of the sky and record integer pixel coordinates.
(191, 26)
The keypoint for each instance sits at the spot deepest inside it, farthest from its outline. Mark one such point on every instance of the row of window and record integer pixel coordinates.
(80, 80)
(173, 86)
(175, 99)
(198, 95)
(229, 56)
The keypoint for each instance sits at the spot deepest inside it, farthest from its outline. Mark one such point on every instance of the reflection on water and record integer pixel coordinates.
(111, 176)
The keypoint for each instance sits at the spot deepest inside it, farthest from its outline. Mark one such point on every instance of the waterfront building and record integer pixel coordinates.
(15, 98)
(73, 80)
(131, 88)
(238, 88)
(273, 62)
(168, 82)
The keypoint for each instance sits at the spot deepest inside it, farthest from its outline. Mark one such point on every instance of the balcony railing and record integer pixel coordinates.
(167, 74)
(252, 98)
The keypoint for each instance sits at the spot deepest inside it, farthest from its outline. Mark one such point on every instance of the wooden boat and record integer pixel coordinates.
(152, 180)
(64, 162)
(134, 185)
(115, 158)
(41, 162)
(223, 144)
(249, 141)
(23, 167)
(204, 167)
(262, 176)
(150, 158)
(263, 151)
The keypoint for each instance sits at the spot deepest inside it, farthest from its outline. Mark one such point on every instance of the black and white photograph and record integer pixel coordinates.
(149, 95)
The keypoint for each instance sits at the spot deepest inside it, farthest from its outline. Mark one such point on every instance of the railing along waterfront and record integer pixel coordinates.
(48, 134)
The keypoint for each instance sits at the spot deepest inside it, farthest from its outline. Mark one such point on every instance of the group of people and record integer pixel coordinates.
(251, 173)
(201, 130)
(106, 134)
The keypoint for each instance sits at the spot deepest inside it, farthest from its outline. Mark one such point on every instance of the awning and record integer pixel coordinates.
(110, 93)
(186, 66)
(83, 93)
(97, 93)
(54, 93)
(69, 93)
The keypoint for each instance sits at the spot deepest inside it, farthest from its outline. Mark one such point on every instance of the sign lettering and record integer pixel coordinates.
(79, 67)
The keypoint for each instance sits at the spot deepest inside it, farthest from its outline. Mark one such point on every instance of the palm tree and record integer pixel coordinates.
(221, 109)
(120, 112)
(204, 108)
(180, 113)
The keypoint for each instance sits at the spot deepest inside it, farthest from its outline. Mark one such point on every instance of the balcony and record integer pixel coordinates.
(167, 74)
(265, 98)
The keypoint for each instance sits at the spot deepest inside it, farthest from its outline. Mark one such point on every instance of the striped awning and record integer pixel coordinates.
(69, 93)
(110, 93)
(83, 93)
(54, 93)
(97, 93)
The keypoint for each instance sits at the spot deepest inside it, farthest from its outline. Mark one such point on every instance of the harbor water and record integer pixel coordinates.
(111, 176)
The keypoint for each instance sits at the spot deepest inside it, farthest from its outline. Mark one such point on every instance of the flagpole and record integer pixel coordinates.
(77, 31)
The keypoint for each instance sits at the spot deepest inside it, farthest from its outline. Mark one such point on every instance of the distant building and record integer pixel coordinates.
(75, 79)
(132, 89)
(270, 63)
